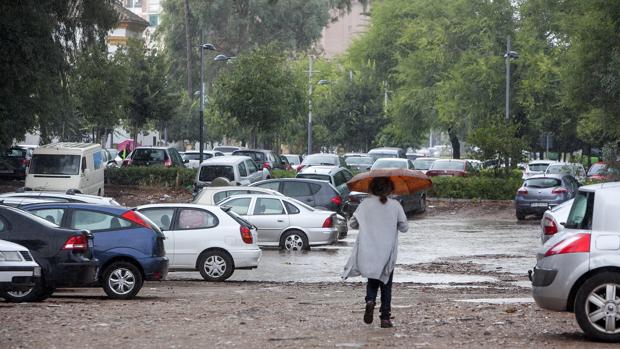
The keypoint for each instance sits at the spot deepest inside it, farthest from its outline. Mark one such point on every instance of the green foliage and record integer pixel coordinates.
(476, 187)
(151, 176)
(282, 174)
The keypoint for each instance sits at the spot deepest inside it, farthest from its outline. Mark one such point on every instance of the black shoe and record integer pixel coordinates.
(386, 323)
(370, 309)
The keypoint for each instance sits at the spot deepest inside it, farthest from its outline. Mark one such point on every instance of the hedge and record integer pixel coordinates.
(475, 187)
(151, 176)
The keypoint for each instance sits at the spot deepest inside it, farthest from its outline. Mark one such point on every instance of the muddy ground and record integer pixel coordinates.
(462, 298)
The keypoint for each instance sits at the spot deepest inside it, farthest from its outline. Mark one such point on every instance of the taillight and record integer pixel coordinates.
(559, 190)
(77, 243)
(337, 200)
(574, 244)
(246, 234)
(134, 217)
(168, 163)
(328, 222)
(299, 167)
(522, 191)
(266, 165)
(549, 226)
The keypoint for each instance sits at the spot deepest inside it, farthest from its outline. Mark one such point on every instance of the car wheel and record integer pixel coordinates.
(422, 207)
(215, 265)
(294, 240)
(520, 215)
(122, 280)
(597, 307)
(36, 294)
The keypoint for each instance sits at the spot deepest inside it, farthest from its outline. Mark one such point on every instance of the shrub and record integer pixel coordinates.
(477, 187)
(151, 176)
(282, 174)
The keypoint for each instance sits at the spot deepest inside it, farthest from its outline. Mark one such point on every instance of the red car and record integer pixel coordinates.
(601, 172)
(451, 167)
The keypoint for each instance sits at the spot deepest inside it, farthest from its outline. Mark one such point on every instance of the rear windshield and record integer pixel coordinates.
(16, 153)
(358, 160)
(320, 160)
(448, 165)
(55, 164)
(238, 219)
(211, 172)
(256, 156)
(384, 163)
(422, 164)
(377, 156)
(325, 178)
(559, 169)
(542, 183)
(597, 169)
(151, 155)
(580, 216)
(538, 167)
(194, 156)
(226, 149)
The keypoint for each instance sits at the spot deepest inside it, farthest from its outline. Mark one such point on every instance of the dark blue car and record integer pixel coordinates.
(129, 247)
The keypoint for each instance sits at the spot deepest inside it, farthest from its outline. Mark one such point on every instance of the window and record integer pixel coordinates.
(266, 206)
(348, 175)
(211, 172)
(98, 159)
(542, 183)
(296, 189)
(251, 166)
(292, 209)
(55, 164)
(270, 185)
(219, 197)
(239, 206)
(160, 216)
(242, 171)
(94, 221)
(153, 20)
(315, 188)
(339, 179)
(190, 218)
(580, 216)
(53, 215)
(83, 164)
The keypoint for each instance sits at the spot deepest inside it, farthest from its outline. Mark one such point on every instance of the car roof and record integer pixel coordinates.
(533, 162)
(600, 186)
(78, 205)
(306, 180)
(225, 160)
(38, 194)
(254, 150)
(384, 148)
(425, 158)
(392, 159)
(185, 205)
(320, 169)
(237, 187)
(147, 147)
(548, 175)
(448, 160)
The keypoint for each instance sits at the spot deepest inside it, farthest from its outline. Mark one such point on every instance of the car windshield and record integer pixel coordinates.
(387, 163)
(358, 160)
(196, 156)
(320, 160)
(448, 165)
(559, 169)
(55, 164)
(325, 178)
(580, 216)
(538, 167)
(211, 172)
(422, 164)
(151, 155)
(542, 183)
(376, 156)
(597, 169)
(255, 155)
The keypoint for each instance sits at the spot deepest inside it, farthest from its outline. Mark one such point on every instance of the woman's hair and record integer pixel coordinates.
(381, 187)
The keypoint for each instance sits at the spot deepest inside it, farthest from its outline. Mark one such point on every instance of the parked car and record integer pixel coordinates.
(69, 196)
(353, 155)
(541, 192)
(423, 164)
(64, 255)
(553, 220)
(129, 247)
(193, 157)
(227, 149)
(214, 195)
(414, 156)
(285, 222)
(14, 163)
(536, 167)
(205, 238)
(579, 270)
(18, 270)
(154, 156)
(451, 168)
(392, 163)
(114, 160)
(236, 170)
(321, 159)
(293, 159)
(64, 166)
(336, 176)
(575, 170)
(386, 152)
(266, 159)
(359, 163)
(602, 172)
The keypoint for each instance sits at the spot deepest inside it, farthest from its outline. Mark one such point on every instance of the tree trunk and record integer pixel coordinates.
(188, 48)
(456, 145)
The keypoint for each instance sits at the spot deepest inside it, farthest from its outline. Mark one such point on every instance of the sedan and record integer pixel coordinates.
(451, 168)
(18, 270)
(541, 192)
(285, 222)
(205, 238)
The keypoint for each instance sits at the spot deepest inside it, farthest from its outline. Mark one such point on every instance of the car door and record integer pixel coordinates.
(270, 219)
(255, 174)
(244, 178)
(163, 217)
(192, 230)
(53, 215)
(298, 190)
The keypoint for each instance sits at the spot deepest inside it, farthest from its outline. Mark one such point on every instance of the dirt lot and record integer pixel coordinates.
(184, 312)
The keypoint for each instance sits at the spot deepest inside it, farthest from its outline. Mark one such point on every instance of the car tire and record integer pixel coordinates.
(36, 294)
(422, 207)
(520, 215)
(294, 240)
(122, 280)
(215, 265)
(596, 293)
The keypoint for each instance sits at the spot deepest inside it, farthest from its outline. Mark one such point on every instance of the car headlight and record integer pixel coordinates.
(10, 256)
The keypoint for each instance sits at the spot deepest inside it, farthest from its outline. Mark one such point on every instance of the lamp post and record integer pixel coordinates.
(508, 55)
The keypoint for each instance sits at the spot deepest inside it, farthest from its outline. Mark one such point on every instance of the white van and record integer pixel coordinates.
(67, 166)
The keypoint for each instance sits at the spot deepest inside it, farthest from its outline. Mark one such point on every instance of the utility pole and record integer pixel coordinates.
(507, 80)
(309, 104)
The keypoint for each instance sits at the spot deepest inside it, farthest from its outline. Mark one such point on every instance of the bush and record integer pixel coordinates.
(151, 176)
(477, 187)
(282, 174)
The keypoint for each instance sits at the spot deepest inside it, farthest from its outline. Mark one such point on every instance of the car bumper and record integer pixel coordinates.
(246, 259)
(17, 278)
(322, 236)
(155, 268)
(553, 278)
(342, 227)
(536, 206)
(73, 274)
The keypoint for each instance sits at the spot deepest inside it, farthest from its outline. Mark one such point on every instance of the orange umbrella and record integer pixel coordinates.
(405, 181)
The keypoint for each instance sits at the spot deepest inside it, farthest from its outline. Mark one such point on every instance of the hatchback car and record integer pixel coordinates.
(193, 157)
(214, 195)
(205, 238)
(154, 156)
(359, 163)
(321, 159)
(541, 192)
(266, 159)
(129, 247)
(536, 167)
(423, 164)
(553, 220)
(18, 270)
(227, 149)
(575, 170)
(336, 176)
(451, 168)
(579, 270)
(392, 163)
(285, 222)
(237, 170)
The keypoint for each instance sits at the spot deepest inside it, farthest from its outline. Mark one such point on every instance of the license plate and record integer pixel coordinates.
(539, 204)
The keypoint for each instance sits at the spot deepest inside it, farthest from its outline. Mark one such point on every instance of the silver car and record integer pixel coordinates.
(285, 222)
(554, 219)
(579, 269)
(541, 192)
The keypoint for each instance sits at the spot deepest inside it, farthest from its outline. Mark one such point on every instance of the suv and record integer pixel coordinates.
(152, 156)
(264, 158)
(579, 269)
(14, 163)
(238, 170)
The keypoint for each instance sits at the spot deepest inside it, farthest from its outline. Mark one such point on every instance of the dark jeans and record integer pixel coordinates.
(386, 295)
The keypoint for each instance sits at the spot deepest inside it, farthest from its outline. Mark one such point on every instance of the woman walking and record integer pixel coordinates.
(379, 219)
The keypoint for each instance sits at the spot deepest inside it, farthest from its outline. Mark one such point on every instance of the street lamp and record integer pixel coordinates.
(508, 56)
(320, 82)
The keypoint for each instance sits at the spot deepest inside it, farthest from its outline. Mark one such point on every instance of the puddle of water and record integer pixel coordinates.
(498, 301)
(524, 284)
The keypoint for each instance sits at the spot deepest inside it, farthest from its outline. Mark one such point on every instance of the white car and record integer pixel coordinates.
(536, 167)
(205, 238)
(551, 222)
(18, 270)
(214, 195)
(285, 222)
(193, 157)
(69, 196)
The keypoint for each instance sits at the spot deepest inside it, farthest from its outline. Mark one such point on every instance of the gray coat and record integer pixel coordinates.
(374, 253)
